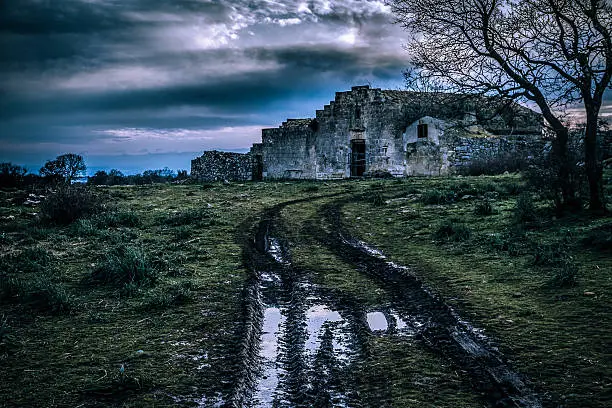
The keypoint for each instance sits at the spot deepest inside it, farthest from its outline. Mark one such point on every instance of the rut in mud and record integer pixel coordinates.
(303, 344)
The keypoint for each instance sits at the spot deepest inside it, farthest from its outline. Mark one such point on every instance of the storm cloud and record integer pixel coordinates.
(121, 77)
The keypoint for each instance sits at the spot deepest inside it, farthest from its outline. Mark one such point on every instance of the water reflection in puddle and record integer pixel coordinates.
(270, 372)
(377, 321)
(316, 317)
(275, 250)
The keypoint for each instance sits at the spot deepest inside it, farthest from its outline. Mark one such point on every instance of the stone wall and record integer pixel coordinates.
(385, 124)
(216, 166)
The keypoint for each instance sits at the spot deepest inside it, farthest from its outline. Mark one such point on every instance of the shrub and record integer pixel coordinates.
(524, 210)
(483, 208)
(436, 196)
(126, 267)
(451, 230)
(69, 203)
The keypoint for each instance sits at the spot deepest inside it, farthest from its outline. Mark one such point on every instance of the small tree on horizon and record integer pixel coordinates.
(65, 168)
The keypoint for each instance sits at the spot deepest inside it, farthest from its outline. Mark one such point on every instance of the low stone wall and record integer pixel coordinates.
(216, 166)
(469, 150)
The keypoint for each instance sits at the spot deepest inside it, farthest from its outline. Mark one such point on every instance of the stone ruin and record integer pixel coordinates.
(367, 131)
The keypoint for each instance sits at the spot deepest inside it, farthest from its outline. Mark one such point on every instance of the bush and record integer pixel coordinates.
(69, 203)
(436, 196)
(451, 230)
(524, 210)
(126, 267)
(483, 208)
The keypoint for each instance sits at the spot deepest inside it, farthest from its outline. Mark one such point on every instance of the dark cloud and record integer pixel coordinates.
(83, 74)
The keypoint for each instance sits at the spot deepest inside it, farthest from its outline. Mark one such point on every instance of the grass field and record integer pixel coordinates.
(142, 303)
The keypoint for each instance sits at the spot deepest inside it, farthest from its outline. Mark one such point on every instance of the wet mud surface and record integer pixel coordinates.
(303, 345)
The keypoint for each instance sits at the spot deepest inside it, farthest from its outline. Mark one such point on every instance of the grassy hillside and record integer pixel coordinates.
(141, 302)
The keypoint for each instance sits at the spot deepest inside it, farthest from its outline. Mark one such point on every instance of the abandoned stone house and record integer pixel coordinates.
(366, 131)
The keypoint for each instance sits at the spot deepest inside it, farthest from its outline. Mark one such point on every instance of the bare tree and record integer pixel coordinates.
(551, 53)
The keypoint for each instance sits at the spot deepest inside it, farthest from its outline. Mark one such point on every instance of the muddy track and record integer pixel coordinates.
(302, 344)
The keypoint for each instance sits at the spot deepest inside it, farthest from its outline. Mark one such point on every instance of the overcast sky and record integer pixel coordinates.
(138, 84)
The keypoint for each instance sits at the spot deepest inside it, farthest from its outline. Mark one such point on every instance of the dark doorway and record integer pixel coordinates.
(358, 158)
(258, 168)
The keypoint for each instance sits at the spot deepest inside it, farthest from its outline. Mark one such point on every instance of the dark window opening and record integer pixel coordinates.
(357, 113)
(258, 168)
(422, 131)
(358, 158)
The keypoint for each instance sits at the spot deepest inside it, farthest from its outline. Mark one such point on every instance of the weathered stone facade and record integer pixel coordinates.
(216, 166)
(367, 131)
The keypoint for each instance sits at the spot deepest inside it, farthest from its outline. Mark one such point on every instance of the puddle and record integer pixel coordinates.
(270, 371)
(316, 319)
(275, 250)
(377, 321)
(400, 324)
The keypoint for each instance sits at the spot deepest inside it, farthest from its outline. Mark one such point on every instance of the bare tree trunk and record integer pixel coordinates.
(561, 162)
(594, 169)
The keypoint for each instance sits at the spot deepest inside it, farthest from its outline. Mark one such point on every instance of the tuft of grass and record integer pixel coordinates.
(114, 219)
(484, 208)
(40, 294)
(377, 199)
(312, 188)
(524, 210)
(451, 230)
(436, 196)
(196, 216)
(566, 276)
(599, 238)
(126, 267)
(176, 295)
(5, 330)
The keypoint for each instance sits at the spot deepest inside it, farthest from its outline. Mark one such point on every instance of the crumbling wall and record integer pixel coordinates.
(288, 151)
(461, 129)
(215, 166)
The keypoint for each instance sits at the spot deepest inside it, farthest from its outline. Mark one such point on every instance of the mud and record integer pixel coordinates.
(302, 344)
